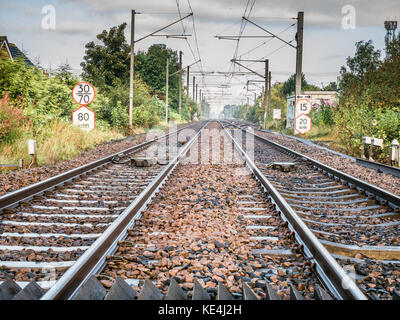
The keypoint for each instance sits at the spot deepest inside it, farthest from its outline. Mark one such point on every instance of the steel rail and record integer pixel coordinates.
(363, 185)
(334, 277)
(89, 262)
(25, 193)
(379, 166)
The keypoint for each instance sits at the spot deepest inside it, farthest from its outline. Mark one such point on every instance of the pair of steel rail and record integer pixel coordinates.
(333, 276)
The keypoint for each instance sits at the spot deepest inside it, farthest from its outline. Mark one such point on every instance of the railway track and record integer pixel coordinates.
(45, 228)
(201, 230)
(356, 221)
(213, 229)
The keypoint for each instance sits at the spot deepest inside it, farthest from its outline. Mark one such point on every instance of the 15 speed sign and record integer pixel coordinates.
(83, 93)
(303, 106)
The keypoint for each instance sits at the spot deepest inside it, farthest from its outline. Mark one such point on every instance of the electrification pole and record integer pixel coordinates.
(166, 92)
(194, 89)
(299, 51)
(132, 66)
(266, 106)
(180, 83)
(133, 41)
(187, 80)
(269, 90)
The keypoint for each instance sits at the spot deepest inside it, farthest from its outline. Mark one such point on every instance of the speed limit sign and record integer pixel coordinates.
(83, 93)
(84, 118)
(303, 106)
(303, 124)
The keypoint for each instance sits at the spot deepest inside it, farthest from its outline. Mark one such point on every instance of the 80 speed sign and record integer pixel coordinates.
(83, 93)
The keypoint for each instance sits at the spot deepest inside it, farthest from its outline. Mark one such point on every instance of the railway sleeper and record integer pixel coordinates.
(121, 289)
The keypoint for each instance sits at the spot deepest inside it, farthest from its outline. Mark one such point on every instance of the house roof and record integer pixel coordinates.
(13, 50)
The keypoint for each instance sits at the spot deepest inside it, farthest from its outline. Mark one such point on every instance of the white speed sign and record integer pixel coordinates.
(303, 106)
(84, 118)
(303, 124)
(83, 93)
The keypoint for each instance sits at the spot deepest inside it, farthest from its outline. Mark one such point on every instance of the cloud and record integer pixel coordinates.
(327, 13)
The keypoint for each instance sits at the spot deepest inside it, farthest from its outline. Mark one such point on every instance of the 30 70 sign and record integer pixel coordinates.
(83, 93)
(83, 117)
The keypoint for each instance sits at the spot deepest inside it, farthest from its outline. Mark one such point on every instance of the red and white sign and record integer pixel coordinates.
(303, 106)
(83, 93)
(302, 124)
(84, 118)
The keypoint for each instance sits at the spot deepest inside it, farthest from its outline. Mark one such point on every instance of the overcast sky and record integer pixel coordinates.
(326, 42)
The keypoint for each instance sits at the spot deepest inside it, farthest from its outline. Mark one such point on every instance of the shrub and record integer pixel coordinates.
(354, 122)
(12, 119)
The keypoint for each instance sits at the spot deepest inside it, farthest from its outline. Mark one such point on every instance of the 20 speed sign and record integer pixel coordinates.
(303, 123)
(83, 93)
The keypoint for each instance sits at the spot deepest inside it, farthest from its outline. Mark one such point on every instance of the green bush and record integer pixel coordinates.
(353, 123)
(119, 116)
(322, 116)
(46, 98)
(12, 119)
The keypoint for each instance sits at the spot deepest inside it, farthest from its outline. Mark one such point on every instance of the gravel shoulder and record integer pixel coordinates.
(347, 165)
(15, 180)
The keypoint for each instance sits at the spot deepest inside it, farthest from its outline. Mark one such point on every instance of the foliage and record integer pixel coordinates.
(332, 86)
(370, 97)
(151, 66)
(45, 98)
(12, 119)
(57, 141)
(105, 62)
(322, 116)
(289, 86)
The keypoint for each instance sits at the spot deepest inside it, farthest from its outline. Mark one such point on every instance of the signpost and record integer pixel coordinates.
(277, 113)
(302, 122)
(83, 93)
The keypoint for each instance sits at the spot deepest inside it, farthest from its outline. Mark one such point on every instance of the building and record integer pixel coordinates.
(317, 98)
(11, 51)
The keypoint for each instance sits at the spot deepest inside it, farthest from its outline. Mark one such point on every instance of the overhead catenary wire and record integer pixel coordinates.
(247, 13)
(265, 42)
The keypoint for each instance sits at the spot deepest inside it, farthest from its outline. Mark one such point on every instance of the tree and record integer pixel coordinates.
(151, 66)
(64, 73)
(289, 86)
(108, 63)
(365, 60)
(393, 49)
(332, 86)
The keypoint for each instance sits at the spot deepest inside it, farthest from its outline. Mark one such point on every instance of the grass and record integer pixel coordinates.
(58, 142)
(62, 141)
(325, 134)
